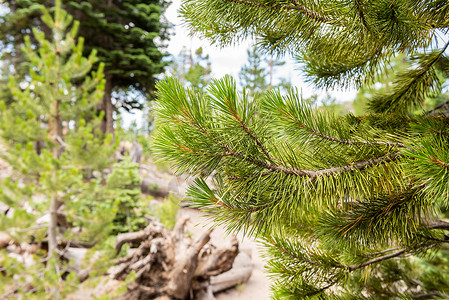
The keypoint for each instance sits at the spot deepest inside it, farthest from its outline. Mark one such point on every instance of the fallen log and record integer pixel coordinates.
(240, 273)
(171, 264)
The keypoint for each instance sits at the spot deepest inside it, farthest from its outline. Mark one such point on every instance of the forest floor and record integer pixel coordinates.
(258, 286)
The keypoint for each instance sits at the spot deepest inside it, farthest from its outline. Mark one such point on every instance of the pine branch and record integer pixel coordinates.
(412, 86)
(434, 110)
(360, 7)
(439, 224)
(360, 165)
(379, 252)
(309, 13)
(427, 295)
(251, 135)
(376, 260)
(439, 162)
(289, 253)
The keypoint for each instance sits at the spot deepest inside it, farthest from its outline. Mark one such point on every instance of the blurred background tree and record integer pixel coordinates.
(129, 37)
(59, 161)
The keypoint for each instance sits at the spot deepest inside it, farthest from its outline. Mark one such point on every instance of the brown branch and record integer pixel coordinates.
(309, 13)
(439, 162)
(380, 252)
(376, 260)
(252, 136)
(439, 224)
(361, 165)
(427, 295)
(433, 111)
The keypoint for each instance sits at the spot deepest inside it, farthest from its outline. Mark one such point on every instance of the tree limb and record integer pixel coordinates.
(433, 111)
(439, 224)
(376, 260)
(123, 238)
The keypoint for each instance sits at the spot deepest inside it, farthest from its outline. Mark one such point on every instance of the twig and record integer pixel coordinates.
(252, 136)
(439, 224)
(427, 295)
(380, 252)
(432, 111)
(376, 260)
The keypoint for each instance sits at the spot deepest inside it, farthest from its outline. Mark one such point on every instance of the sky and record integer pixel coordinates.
(229, 60)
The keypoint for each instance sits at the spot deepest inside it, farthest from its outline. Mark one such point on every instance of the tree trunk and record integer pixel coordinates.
(56, 135)
(107, 124)
(52, 227)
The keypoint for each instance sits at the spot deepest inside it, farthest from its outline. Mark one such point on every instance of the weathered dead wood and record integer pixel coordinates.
(218, 261)
(171, 264)
(240, 273)
(184, 269)
(128, 237)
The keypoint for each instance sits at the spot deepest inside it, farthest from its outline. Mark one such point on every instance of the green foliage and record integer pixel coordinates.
(339, 44)
(257, 74)
(124, 186)
(127, 35)
(339, 201)
(385, 85)
(194, 71)
(167, 211)
(58, 160)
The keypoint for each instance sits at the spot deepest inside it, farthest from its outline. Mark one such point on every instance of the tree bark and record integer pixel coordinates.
(52, 227)
(107, 124)
(56, 135)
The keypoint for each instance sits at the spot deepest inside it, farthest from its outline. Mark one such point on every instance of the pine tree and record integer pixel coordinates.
(128, 36)
(257, 75)
(193, 71)
(57, 159)
(253, 74)
(198, 75)
(347, 207)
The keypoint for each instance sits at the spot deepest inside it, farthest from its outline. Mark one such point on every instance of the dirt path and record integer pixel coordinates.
(258, 286)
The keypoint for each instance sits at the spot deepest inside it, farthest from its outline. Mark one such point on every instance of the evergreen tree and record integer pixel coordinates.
(198, 75)
(124, 186)
(347, 207)
(128, 36)
(273, 63)
(57, 160)
(193, 71)
(253, 74)
(258, 73)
